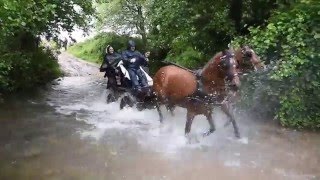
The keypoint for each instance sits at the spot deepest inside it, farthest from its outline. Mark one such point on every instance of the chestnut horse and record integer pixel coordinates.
(247, 60)
(177, 86)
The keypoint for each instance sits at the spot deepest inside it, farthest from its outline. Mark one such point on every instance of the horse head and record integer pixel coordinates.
(221, 71)
(246, 51)
(247, 58)
(227, 67)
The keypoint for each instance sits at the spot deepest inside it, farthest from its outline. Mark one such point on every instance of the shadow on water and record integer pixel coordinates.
(67, 131)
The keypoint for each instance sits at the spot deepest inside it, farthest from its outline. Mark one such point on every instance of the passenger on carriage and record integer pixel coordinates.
(109, 65)
(145, 66)
(133, 59)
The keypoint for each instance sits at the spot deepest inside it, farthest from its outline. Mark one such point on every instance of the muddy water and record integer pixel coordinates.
(67, 131)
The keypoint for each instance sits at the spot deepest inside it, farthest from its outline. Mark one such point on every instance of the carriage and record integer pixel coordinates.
(173, 85)
(128, 97)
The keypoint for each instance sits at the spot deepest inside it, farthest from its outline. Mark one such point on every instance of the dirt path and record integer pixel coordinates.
(73, 66)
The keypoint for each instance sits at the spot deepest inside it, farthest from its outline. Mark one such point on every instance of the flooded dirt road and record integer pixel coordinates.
(67, 131)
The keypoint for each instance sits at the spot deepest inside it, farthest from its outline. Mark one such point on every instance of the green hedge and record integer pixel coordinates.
(290, 43)
(21, 70)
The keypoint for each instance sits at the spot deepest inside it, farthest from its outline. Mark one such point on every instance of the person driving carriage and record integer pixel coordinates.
(109, 65)
(133, 59)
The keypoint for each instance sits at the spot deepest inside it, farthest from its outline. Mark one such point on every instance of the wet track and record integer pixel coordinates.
(67, 131)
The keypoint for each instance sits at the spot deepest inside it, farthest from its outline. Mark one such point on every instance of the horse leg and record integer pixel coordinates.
(171, 108)
(211, 123)
(234, 98)
(190, 117)
(159, 112)
(226, 109)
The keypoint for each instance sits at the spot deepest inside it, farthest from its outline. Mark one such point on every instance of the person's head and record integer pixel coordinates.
(109, 49)
(147, 54)
(131, 45)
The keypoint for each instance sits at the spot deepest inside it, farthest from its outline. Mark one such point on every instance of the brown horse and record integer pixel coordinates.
(247, 60)
(176, 86)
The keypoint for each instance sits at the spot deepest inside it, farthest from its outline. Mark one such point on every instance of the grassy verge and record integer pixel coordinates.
(92, 50)
(85, 51)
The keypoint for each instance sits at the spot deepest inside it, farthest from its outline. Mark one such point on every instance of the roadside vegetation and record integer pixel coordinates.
(25, 62)
(284, 33)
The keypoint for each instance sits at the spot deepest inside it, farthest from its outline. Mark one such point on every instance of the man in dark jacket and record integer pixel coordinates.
(133, 59)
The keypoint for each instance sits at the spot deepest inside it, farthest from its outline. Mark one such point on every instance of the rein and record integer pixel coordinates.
(171, 63)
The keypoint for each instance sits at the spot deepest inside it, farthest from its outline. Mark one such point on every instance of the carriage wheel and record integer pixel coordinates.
(111, 98)
(126, 101)
(129, 101)
(122, 103)
(140, 106)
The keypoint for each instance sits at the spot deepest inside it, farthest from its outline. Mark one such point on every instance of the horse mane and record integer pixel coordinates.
(214, 60)
(211, 75)
(209, 69)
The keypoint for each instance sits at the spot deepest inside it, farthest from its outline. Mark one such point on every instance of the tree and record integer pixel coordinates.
(124, 17)
(290, 41)
(191, 31)
(25, 20)
(22, 63)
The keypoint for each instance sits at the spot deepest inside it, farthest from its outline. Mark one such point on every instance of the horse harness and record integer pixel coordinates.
(200, 95)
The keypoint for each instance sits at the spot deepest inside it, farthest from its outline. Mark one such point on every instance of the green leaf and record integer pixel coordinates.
(317, 36)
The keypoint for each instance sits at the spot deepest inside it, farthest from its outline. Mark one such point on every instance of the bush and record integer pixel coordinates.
(185, 54)
(21, 70)
(290, 43)
(257, 95)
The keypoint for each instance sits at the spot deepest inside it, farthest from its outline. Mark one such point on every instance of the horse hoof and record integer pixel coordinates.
(237, 135)
(192, 139)
(208, 133)
(110, 98)
(161, 120)
(205, 134)
(188, 137)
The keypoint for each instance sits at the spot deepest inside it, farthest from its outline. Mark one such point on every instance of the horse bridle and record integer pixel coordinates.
(249, 54)
(246, 54)
(229, 76)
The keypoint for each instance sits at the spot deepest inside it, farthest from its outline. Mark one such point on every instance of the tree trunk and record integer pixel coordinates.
(141, 27)
(236, 13)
